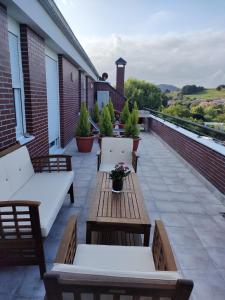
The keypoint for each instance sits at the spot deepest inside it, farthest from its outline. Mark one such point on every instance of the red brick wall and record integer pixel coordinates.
(90, 94)
(69, 99)
(206, 161)
(7, 112)
(120, 79)
(33, 61)
(117, 99)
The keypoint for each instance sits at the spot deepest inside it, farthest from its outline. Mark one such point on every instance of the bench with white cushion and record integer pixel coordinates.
(115, 150)
(116, 271)
(32, 192)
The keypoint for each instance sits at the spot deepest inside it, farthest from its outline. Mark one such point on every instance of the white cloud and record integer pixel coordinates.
(179, 59)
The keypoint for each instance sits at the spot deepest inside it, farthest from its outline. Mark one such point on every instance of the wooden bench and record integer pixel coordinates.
(35, 188)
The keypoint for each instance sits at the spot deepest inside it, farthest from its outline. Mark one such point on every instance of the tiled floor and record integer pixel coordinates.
(173, 193)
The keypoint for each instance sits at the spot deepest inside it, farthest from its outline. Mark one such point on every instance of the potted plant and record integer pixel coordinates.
(84, 138)
(95, 113)
(132, 129)
(105, 127)
(117, 175)
(111, 111)
(124, 115)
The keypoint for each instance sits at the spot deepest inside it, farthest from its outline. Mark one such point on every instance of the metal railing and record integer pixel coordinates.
(200, 130)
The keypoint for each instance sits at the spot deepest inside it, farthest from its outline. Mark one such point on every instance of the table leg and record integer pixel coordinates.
(147, 236)
(88, 233)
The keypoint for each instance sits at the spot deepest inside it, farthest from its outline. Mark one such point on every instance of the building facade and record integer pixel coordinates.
(45, 74)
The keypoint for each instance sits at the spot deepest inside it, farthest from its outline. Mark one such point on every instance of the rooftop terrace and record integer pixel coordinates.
(174, 192)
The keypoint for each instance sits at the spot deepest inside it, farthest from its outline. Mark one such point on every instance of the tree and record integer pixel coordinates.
(111, 110)
(191, 89)
(144, 93)
(177, 110)
(83, 127)
(198, 110)
(131, 126)
(125, 113)
(95, 114)
(105, 122)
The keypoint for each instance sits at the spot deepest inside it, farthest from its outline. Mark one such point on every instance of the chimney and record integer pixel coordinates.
(120, 63)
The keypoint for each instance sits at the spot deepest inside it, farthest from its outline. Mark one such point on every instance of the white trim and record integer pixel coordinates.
(208, 142)
(25, 140)
(35, 16)
(49, 52)
(14, 28)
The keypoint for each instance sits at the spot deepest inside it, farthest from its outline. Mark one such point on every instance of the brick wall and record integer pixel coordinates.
(90, 94)
(33, 61)
(206, 161)
(120, 72)
(7, 112)
(117, 99)
(69, 99)
(82, 92)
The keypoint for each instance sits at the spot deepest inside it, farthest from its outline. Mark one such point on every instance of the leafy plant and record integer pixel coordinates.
(111, 110)
(106, 128)
(125, 113)
(121, 170)
(95, 114)
(83, 127)
(131, 126)
(136, 112)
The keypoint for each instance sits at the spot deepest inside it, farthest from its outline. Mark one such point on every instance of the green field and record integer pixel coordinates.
(206, 94)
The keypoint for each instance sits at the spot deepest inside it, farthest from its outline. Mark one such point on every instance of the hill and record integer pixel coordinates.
(206, 95)
(167, 87)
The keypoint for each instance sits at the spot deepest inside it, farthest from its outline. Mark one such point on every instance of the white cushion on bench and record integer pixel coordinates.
(73, 269)
(50, 189)
(117, 258)
(15, 170)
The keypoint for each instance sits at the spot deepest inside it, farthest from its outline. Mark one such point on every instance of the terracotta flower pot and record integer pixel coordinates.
(84, 144)
(136, 143)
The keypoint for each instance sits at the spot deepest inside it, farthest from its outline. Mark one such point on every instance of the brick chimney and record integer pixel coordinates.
(120, 63)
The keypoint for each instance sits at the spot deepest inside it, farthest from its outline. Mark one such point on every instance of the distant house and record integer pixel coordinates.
(44, 75)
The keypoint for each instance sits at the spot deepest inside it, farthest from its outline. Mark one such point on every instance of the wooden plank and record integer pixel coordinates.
(118, 211)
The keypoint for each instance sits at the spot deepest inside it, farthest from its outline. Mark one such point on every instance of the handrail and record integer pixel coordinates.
(200, 130)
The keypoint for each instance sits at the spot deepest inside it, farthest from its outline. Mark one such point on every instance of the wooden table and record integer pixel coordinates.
(123, 212)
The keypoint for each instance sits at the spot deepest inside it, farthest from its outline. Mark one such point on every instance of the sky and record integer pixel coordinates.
(165, 41)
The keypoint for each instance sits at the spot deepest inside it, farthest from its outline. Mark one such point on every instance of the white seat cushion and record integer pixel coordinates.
(73, 269)
(50, 189)
(16, 170)
(106, 167)
(119, 258)
(115, 150)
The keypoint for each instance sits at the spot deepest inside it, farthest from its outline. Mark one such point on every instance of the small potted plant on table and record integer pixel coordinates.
(132, 129)
(117, 175)
(84, 138)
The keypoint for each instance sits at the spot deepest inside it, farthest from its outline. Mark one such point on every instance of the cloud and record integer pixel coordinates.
(174, 58)
(160, 16)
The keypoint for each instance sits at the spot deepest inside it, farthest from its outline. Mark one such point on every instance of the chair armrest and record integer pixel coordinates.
(67, 247)
(161, 249)
(135, 160)
(52, 163)
(98, 159)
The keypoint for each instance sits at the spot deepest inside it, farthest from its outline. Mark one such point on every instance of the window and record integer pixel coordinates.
(17, 84)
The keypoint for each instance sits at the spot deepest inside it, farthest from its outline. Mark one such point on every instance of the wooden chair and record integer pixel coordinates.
(115, 150)
(66, 284)
(20, 235)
